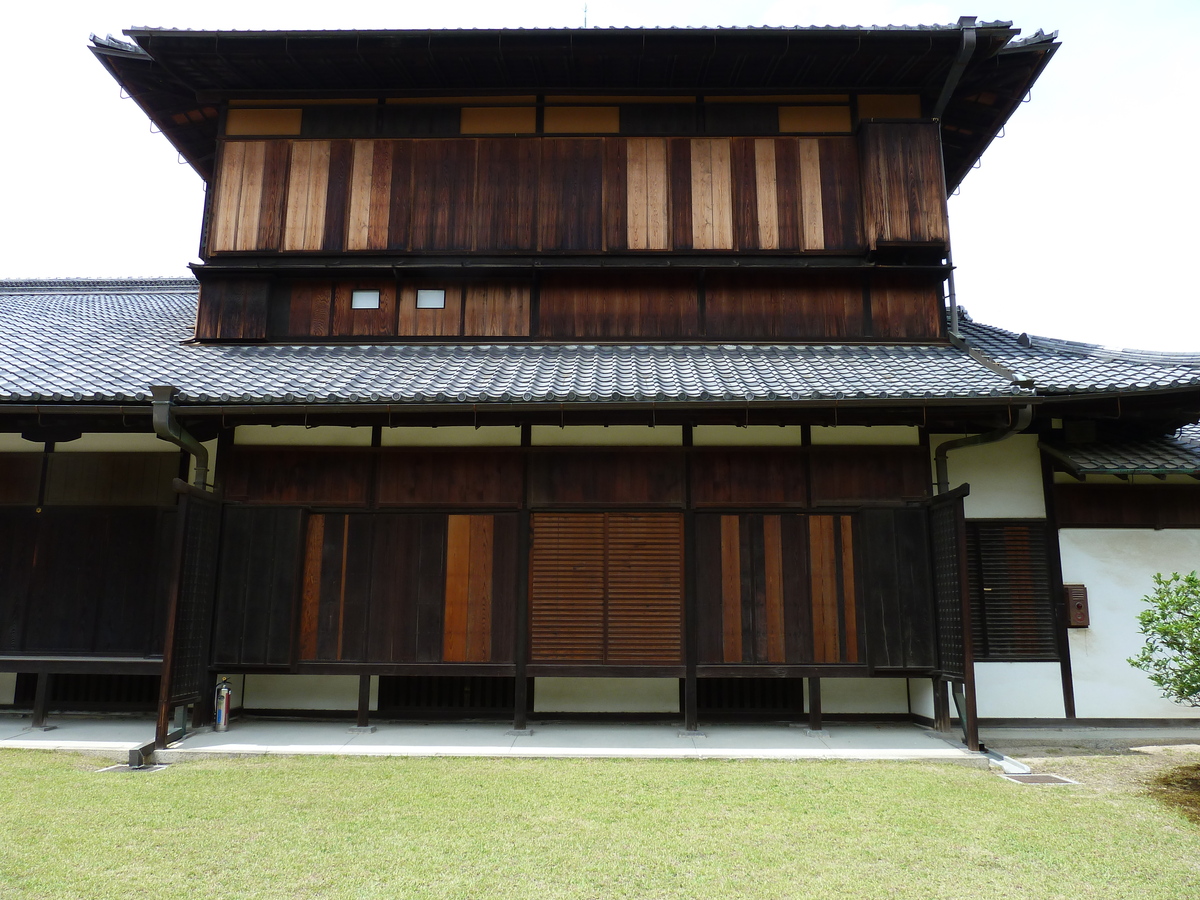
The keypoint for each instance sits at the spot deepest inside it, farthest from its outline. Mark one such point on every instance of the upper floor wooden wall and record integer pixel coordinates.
(844, 194)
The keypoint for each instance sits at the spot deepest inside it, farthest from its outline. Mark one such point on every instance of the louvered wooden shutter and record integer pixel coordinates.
(566, 587)
(606, 587)
(1011, 605)
(645, 587)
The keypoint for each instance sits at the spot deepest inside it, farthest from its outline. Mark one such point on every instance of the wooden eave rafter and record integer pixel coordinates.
(175, 73)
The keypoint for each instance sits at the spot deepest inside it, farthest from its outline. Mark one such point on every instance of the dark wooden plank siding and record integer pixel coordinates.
(603, 478)
(679, 168)
(616, 178)
(449, 478)
(506, 202)
(20, 477)
(1127, 505)
(756, 306)
(749, 477)
(111, 479)
(400, 213)
(282, 475)
(841, 194)
(350, 322)
(84, 580)
(869, 473)
(897, 587)
(443, 194)
(745, 194)
(618, 305)
(906, 307)
(904, 199)
(572, 193)
(337, 200)
(258, 587)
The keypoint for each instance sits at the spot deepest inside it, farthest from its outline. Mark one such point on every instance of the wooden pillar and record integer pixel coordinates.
(814, 704)
(41, 698)
(691, 625)
(521, 642)
(364, 702)
(941, 706)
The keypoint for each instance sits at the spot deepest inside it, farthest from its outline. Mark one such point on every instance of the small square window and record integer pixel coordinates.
(430, 299)
(364, 300)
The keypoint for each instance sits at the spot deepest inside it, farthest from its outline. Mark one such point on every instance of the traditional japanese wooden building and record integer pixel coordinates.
(551, 372)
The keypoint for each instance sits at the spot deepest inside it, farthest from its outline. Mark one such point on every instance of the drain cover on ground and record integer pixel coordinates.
(1040, 779)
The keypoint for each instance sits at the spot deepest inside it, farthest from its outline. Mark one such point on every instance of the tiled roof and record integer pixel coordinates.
(108, 341)
(101, 343)
(1070, 367)
(1173, 454)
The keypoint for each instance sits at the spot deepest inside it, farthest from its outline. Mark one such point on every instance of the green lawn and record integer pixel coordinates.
(401, 828)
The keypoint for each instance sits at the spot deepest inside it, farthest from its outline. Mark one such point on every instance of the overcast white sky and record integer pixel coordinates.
(1080, 223)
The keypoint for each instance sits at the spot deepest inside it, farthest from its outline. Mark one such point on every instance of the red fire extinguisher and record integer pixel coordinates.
(222, 704)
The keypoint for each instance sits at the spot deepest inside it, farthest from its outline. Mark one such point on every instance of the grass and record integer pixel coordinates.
(467, 828)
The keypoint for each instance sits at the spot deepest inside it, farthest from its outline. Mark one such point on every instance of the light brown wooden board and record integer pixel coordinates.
(712, 199)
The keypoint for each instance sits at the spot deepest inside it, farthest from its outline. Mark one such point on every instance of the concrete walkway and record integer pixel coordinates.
(253, 737)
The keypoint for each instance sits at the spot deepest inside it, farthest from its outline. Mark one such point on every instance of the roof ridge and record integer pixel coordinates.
(83, 285)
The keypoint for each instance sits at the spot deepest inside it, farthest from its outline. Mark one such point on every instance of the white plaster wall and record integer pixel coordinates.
(11, 442)
(335, 692)
(621, 695)
(1118, 566)
(606, 436)
(863, 695)
(749, 436)
(135, 442)
(920, 697)
(1018, 690)
(875, 435)
(1005, 477)
(8, 688)
(452, 436)
(301, 436)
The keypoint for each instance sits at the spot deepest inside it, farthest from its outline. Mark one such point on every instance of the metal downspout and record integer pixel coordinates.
(167, 427)
(1024, 417)
(966, 51)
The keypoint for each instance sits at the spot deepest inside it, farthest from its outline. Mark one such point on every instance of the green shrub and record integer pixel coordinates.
(1171, 626)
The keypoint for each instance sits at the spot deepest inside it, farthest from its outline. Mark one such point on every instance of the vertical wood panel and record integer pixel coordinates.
(766, 199)
(849, 604)
(841, 194)
(250, 201)
(616, 183)
(337, 200)
(274, 194)
(229, 193)
(903, 183)
(646, 193)
(572, 194)
(731, 589)
(401, 195)
(443, 194)
(458, 562)
(679, 234)
(358, 219)
(811, 211)
(445, 322)
(744, 193)
(824, 589)
(430, 585)
(711, 194)
(787, 184)
(644, 588)
(479, 590)
(310, 592)
(378, 211)
(797, 611)
(773, 579)
(506, 201)
(308, 179)
(496, 309)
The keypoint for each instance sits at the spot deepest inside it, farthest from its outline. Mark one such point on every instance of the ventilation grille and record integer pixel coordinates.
(1012, 616)
(91, 693)
(459, 695)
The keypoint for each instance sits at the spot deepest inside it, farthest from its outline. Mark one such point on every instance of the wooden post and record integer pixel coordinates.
(814, 704)
(41, 698)
(362, 722)
(941, 706)
(521, 642)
